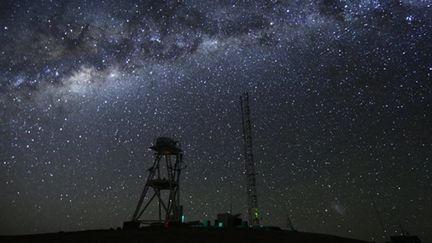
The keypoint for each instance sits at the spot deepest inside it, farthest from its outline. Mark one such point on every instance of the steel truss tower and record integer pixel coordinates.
(162, 186)
(253, 212)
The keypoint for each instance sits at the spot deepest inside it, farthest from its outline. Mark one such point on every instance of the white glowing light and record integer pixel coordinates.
(81, 80)
(409, 18)
(114, 74)
(18, 81)
(155, 38)
(209, 45)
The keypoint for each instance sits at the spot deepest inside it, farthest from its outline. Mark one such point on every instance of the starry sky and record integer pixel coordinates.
(340, 93)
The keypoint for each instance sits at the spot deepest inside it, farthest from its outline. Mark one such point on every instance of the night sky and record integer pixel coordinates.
(341, 95)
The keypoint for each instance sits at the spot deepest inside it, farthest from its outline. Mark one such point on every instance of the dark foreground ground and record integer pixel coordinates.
(201, 235)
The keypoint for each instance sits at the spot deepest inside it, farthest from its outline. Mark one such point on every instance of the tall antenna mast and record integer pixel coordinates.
(231, 190)
(253, 212)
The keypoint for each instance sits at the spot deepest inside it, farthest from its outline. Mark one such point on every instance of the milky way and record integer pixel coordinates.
(341, 107)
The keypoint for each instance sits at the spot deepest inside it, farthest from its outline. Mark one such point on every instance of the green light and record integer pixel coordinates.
(220, 225)
(256, 213)
(183, 218)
